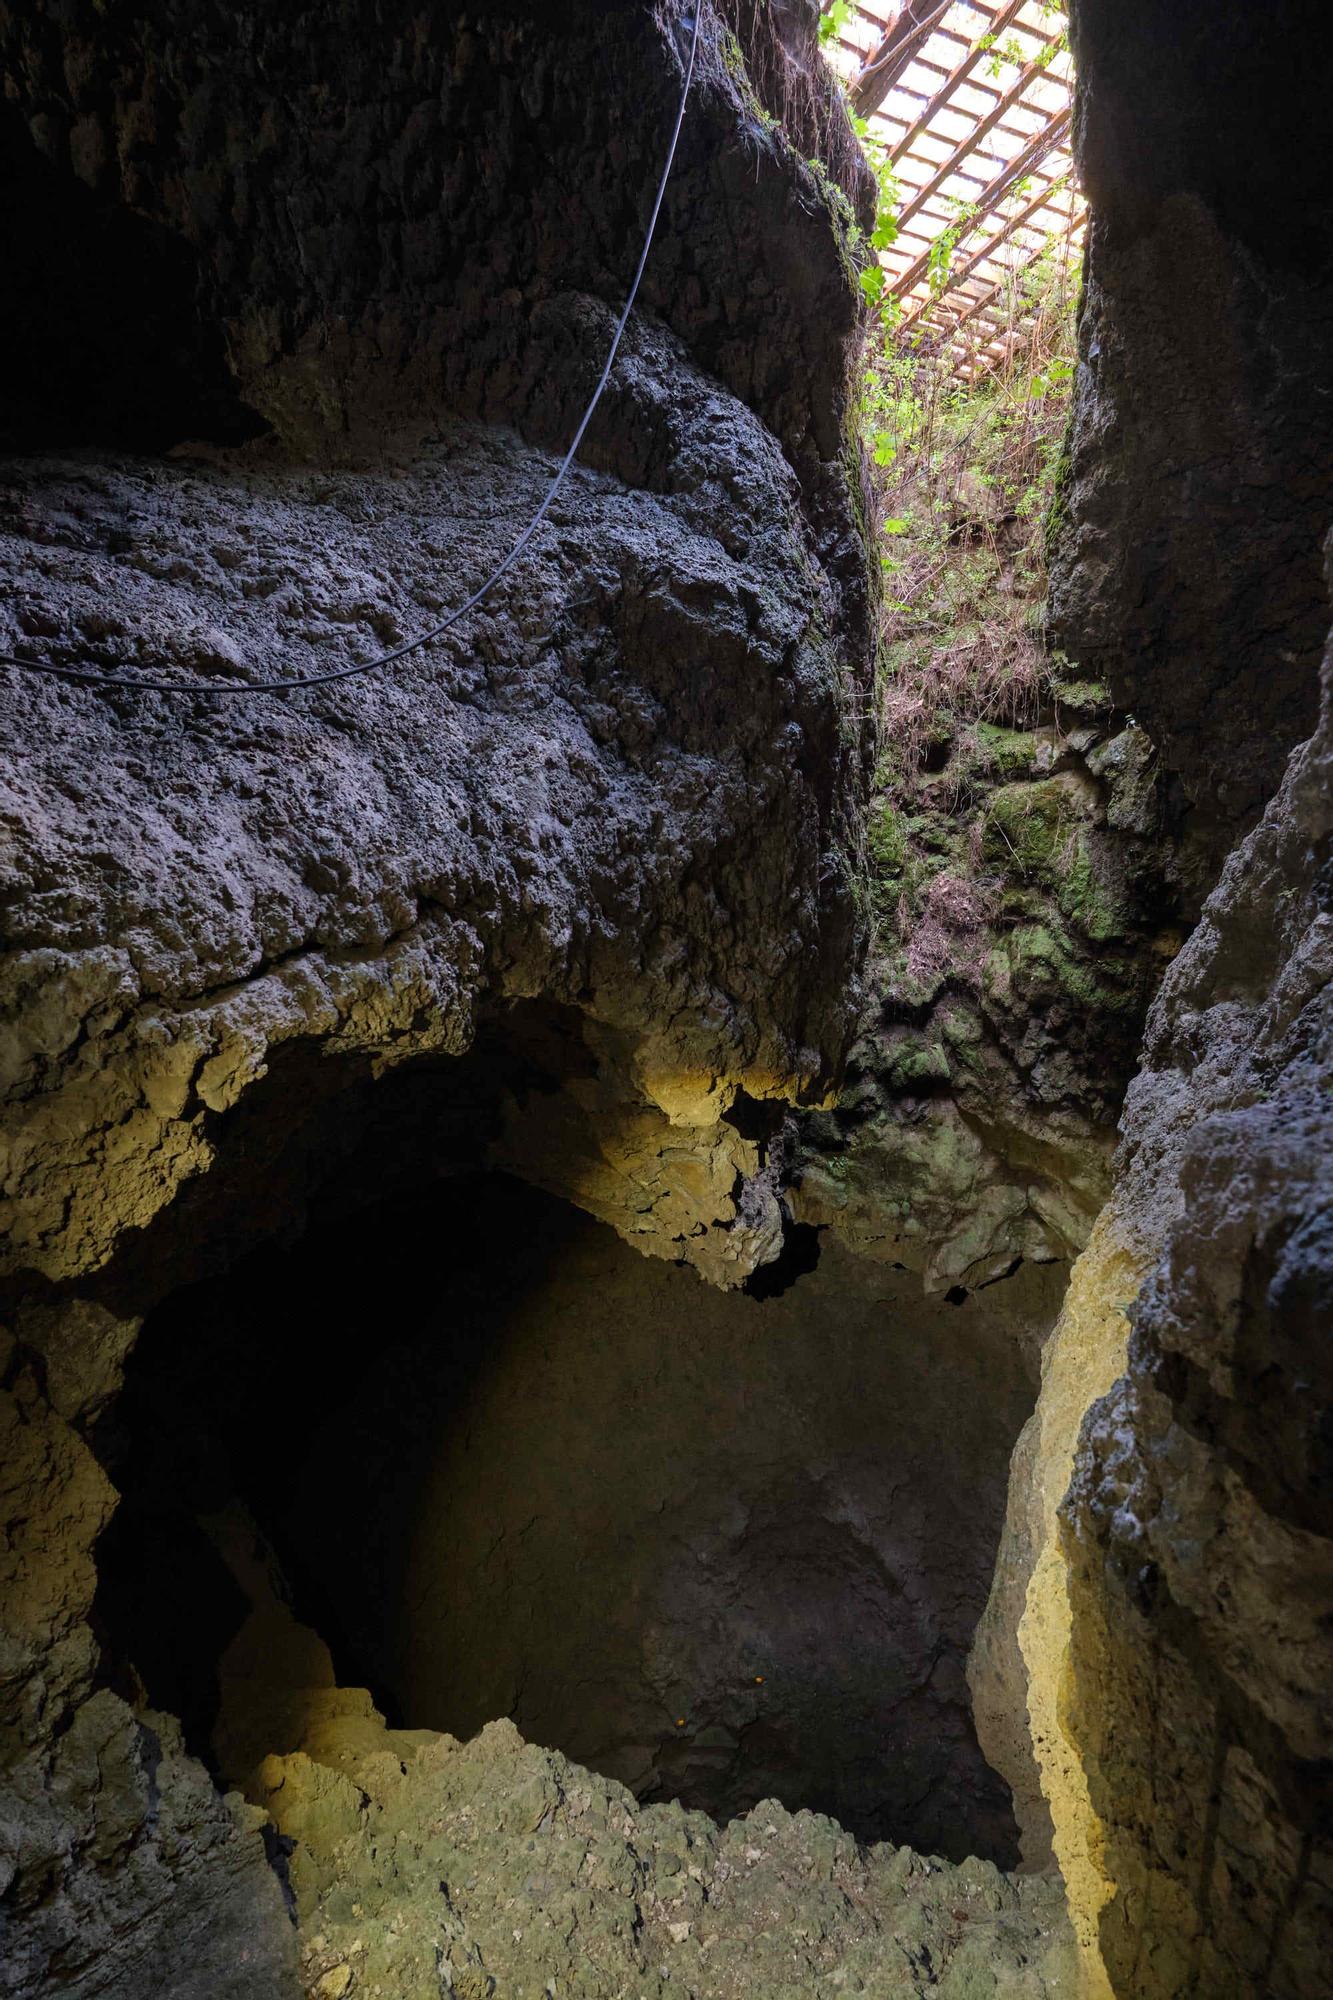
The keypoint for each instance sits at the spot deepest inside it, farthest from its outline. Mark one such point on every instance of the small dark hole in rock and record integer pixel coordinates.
(755, 1118)
(799, 1256)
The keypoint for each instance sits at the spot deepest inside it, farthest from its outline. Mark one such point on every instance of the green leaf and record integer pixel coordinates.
(872, 281)
(897, 526)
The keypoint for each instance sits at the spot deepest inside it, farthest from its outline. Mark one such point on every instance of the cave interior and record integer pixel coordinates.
(496, 1238)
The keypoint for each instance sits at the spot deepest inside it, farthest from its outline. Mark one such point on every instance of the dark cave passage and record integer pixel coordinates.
(722, 1548)
(111, 347)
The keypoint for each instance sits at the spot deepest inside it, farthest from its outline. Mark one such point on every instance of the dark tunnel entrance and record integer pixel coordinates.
(722, 1548)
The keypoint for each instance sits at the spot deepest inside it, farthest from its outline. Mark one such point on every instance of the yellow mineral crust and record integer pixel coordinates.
(1083, 1358)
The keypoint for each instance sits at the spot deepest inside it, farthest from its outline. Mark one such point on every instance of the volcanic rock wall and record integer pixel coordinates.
(1198, 1529)
(307, 300)
(1161, 1608)
(1168, 1556)
(479, 820)
(1187, 564)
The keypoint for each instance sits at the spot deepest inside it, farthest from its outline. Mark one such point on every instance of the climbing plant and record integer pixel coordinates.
(966, 475)
(965, 459)
(832, 24)
(885, 229)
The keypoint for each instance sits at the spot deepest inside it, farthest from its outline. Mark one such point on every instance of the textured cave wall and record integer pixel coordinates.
(1052, 872)
(624, 790)
(1176, 1625)
(1200, 477)
(485, 819)
(1198, 1528)
(1147, 1669)
(338, 220)
(715, 1546)
(1152, 1670)
(307, 299)
(976, 1125)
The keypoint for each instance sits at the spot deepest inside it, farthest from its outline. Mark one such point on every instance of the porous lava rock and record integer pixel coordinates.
(590, 795)
(1198, 490)
(308, 301)
(1197, 1528)
(1151, 1672)
(473, 825)
(1033, 888)
(1148, 1673)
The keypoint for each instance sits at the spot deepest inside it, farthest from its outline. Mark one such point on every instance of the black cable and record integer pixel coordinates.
(96, 678)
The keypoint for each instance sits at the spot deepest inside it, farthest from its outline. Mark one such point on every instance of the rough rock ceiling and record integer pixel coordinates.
(972, 100)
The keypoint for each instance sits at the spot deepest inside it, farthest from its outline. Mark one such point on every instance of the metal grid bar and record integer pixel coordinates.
(1017, 169)
(969, 98)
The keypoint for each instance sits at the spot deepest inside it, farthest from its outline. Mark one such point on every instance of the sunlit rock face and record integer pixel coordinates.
(1167, 1560)
(305, 307)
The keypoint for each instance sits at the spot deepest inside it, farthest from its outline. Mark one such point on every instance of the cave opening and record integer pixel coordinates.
(722, 1547)
(142, 371)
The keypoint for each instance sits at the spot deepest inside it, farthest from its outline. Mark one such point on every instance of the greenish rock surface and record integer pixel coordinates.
(423, 1868)
(498, 1868)
(1023, 917)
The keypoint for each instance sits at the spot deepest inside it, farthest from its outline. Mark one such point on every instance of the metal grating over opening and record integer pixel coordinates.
(971, 100)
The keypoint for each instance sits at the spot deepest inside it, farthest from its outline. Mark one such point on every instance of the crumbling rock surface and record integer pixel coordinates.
(1031, 892)
(1169, 1535)
(514, 1871)
(1145, 1674)
(1025, 918)
(545, 807)
(1198, 1527)
(1198, 491)
(591, 794)
(304, 303)
(571, 894)
(423, 1867)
